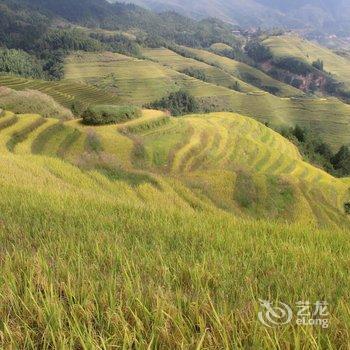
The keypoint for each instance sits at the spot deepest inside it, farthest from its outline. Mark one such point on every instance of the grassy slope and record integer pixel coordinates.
(64, 92)
(145, 82)
(143, 265)
(206, 153)
(214, 75)
(294, 46)
(242, 70)
(148, 81)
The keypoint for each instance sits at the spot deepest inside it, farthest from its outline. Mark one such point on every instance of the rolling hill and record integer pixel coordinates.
(133, 233)
(64, 92)
(307, 51)
(155, 77)
(202, 152)
(34, 20)
(106, 78)
(242, 71)
(248, 78)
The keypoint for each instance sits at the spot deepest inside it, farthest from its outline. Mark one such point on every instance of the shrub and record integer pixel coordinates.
(67, 40)
(274, 90)
(341, 161)
(109, 114)
(324, 150)
(258, 52)
(118, 43)
(295, 82)
(294, 65)
(229, 53)
(178, 103)
(299, 133)
(195, 73)
(236, 86)
(347, 208)
(251, 79)
(318, 64)
(332, 86)
(53, 64)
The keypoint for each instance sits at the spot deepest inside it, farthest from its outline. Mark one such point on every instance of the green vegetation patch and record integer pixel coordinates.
(132, 178)
(177, 103)
(318, 152)
(18, 62)
(110, 114)
(195, 73)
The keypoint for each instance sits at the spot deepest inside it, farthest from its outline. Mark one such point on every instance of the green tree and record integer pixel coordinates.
(258, 52)
(341, 161)
(318, 64)
(21, 63)
(178, 103)
(299, 133)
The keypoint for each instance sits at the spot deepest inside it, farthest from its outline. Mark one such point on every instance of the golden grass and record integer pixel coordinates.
(170, 258)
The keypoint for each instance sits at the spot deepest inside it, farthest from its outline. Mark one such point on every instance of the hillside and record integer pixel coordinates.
(307, 51)
(35, 19)
(145, 83)
(64, 92)
(150, 80)
(202, 152)
(106, 78)
(240, 70)
(174, 182)
(154, 252)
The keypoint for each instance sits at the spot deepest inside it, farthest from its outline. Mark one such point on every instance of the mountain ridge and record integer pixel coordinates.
(313, 15)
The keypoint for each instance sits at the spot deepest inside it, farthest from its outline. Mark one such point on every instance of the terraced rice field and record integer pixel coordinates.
(213, 74)
(294, 46)
(65, 92)
(127, 236)
(206, 155)
(148, 81)
(136, 81)
(329, 118)
(243, 72)
(237, 144)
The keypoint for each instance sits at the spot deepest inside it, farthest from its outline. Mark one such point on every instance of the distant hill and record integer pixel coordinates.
(24, 22)
(293, 46)
(332, 16)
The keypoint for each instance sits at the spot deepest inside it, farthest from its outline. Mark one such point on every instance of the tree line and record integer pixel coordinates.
(317, 151)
